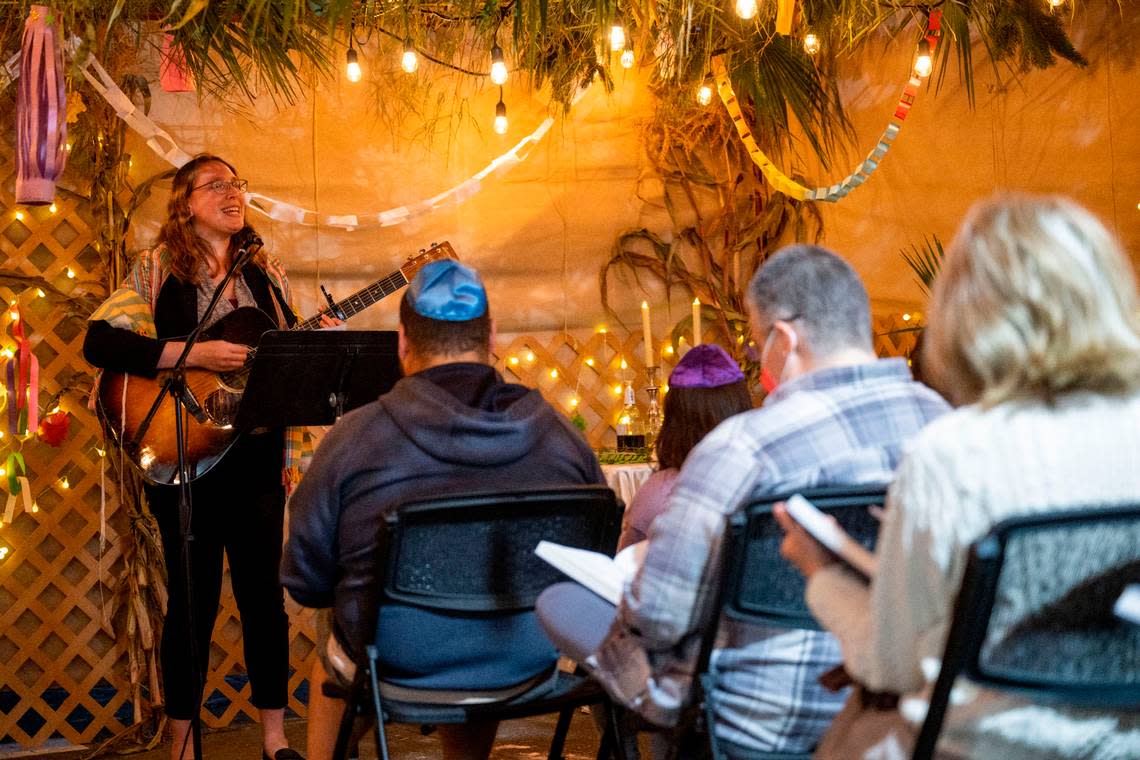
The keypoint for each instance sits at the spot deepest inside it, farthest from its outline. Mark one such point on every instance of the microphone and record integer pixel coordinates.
(250, 244)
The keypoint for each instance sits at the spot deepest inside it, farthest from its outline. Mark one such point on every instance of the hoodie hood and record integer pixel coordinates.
(467, 415)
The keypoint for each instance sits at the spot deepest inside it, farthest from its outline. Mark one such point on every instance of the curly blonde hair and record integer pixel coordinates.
(1035, 300)
(186, 248)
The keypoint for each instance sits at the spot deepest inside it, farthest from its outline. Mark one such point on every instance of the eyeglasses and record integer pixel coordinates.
(222, 186)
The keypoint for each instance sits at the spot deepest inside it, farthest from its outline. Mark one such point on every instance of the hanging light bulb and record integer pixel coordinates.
(627, 58)
(923, 63)
(746, 9)
(352, 66)
(811, 43)
(498, 66)
(1056, 3)
(410, 62)
(617, 37)
(501, 128)
(704, 94)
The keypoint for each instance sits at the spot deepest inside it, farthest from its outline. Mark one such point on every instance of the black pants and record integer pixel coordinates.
(238, 508)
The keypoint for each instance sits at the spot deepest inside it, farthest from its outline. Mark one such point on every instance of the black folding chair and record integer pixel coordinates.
(760, 587)
(1034, 615)
(475, 554)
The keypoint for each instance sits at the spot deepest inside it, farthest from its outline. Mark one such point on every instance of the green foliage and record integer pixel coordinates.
(925, 261)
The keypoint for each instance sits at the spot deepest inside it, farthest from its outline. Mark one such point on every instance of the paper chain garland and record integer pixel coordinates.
(785, 184)
(165, 146)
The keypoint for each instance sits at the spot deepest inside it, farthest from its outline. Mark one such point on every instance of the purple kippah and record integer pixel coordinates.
(705, 366)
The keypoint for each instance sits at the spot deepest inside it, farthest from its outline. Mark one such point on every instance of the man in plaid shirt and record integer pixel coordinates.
(839, 416)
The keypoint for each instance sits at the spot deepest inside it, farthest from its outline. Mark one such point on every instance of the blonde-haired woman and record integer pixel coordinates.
(1034, 331)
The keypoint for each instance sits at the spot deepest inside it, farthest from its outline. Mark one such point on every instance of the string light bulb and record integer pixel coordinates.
(1055, 3)
(617, 37)
(19, 216)
(64, 483)
(352, 70)
(501, 118)
(53, 208)
(746, 9)
(410, 61)
(70, 273)
(627, 58)
(923, 62)
(498, 66)
(704, 94)
(530, 356)
(811, 43)
(553, 374)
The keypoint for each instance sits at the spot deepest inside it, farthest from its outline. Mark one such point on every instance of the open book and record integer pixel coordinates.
(825, 530)
(604, 575)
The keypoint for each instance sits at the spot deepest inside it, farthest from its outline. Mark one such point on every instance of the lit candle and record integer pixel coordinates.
(696, 321)
(647, 334)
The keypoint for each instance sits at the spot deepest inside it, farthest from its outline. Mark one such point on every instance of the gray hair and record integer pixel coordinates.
(822, 291)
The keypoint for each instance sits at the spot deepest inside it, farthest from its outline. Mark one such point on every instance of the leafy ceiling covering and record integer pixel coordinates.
(244, 49)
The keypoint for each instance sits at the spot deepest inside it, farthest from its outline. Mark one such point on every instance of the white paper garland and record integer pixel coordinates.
(165, 146)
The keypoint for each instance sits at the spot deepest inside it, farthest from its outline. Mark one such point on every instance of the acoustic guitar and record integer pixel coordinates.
(123, 400)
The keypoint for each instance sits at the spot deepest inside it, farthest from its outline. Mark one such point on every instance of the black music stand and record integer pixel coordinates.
(312, 377)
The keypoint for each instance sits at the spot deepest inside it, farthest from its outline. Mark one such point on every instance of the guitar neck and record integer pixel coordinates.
(361, 299)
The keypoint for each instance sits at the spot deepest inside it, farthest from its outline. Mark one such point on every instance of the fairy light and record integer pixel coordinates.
(7, 353)
(3, 552)
(906, 317)
(15, 315)
(624, 365)
(1055, 3)
(67, 147)
(704, 94)
(64, 483)
(617, 389)
(36, 506)
(19, 216)
(498, 66)
(664, 388)
(3, 472)
(530, 356)
(40, 293)
(811, 43)
(746, 9)
(101, 452)
(352, 70)
(53, 208)
(923, 63)
(409, 62)
(669, 349)
(553, 374)
(70, 273)
(627, 58)
(514, 360)
(590, 362)
(617, 37)
(500, 125)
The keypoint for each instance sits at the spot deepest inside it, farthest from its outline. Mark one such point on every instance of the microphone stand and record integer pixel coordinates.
(175, 386)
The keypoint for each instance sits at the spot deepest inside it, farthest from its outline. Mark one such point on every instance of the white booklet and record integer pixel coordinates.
(1127, 607)
(825, 530)
(604, 575)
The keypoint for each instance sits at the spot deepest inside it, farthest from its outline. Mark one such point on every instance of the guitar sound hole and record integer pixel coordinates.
(222, 407)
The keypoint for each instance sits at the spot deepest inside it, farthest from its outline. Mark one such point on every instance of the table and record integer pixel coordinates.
(625, 479)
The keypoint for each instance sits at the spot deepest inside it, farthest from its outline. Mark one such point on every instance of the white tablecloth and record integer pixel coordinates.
(625, 479)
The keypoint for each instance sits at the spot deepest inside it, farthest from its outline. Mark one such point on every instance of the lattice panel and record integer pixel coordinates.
(57, 650)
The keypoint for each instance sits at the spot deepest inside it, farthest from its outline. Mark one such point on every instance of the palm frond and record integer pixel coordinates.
(925, 260)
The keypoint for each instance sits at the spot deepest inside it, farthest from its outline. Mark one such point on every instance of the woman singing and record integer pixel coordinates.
(238, 506)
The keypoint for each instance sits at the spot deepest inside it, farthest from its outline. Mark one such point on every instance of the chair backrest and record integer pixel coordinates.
(1035, 614)
(475, 552)
(763, 587)
(759, 586)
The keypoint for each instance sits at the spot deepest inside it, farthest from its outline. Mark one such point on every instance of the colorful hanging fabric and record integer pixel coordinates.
(172, 72)
(832, 193)
(23, 379)
(41, 110)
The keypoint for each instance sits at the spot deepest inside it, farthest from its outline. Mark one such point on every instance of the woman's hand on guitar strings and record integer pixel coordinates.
(218, 355)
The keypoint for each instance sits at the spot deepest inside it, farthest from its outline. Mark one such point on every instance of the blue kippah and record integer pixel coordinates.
(448, 291)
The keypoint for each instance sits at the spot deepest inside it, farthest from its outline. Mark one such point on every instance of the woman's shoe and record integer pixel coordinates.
(285, 753)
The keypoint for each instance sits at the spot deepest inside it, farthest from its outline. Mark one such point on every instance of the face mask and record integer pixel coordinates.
(769, 382)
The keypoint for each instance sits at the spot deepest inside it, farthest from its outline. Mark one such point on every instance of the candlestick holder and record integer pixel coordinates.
(653, 416)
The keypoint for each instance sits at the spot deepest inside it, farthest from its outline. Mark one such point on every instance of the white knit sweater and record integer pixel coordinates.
(961, 475)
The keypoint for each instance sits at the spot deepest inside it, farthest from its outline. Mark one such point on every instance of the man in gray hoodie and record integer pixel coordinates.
(451, 425)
